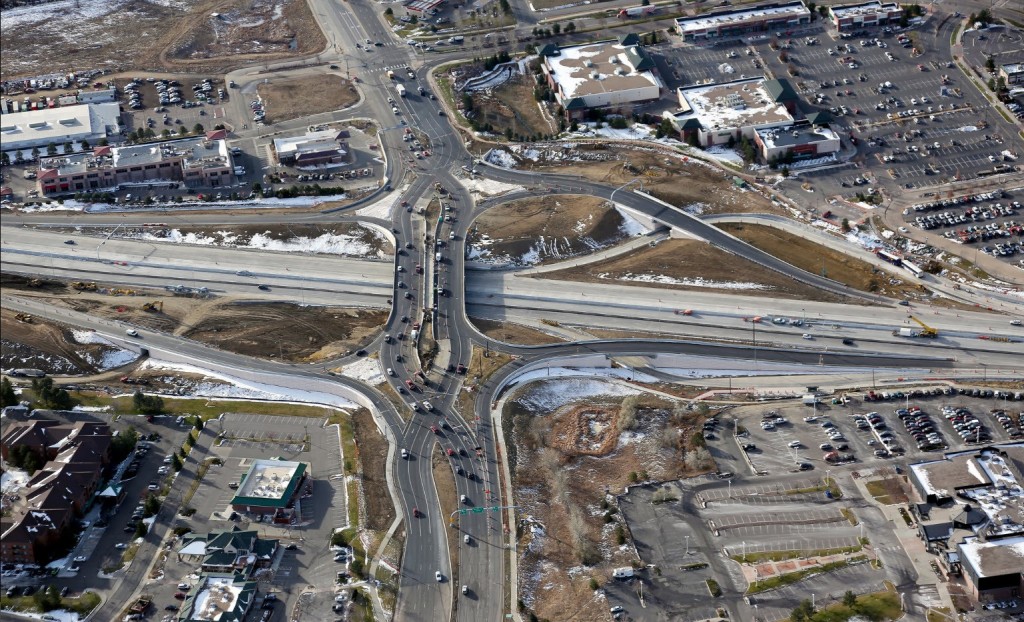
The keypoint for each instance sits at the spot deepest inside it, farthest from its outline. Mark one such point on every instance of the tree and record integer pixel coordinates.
(103, 142)
(69, 147)
(785, 172)
(182, 130)
(47, 599)
(557, 29)
(570, 27)
(198, 128)
(151, 505)
(141, 530)
(7, 395)
(845, 225)
(22, 457)
(803, 611)
(35, 153)
(147, 404)
(176, 463)
(85, 145)
(124, 443)
(646, 3)
(850, 599)
(506, 8)
(50, 396)
(51, 149)
(5, 159)
(990, 64)
(389, 12)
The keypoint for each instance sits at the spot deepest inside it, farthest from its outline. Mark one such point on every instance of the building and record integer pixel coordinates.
(717, 114)
(732, 23)
(228, 551)
(271, 489)
(795, 142)
(979, 477)
(847, 17)
(608, 75)
(196, 162)
(23, 131)
(218, 598)
(74, 457)
(1012, 73)
(993, 568)
(313, 148)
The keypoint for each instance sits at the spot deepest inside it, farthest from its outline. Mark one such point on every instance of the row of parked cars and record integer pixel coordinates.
(1012, 427)
(968, 426)
(920, 426)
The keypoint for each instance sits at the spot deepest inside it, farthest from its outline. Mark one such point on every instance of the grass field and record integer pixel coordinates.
(512, 106)
(878, 606)
(301, 97)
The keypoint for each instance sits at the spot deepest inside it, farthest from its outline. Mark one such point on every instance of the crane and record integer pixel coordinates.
(926, 331)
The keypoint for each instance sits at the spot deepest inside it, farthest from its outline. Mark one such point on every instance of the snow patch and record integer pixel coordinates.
(724, 154)
(548, 395)
(689, 282)
(367, 370)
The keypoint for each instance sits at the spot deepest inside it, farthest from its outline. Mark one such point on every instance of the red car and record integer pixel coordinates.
(451, 452)
(415, 512)
(434, 429)
(180, 595)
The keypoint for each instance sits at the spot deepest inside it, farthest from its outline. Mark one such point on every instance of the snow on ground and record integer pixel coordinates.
(630, 226)
(489, 187)
(368, 370)
(327, 243)
(13, 479)
(91, 409)
(265, 203)
(68, 206)
(57, 615)
(381, 208)
(547, 395)
(244, 389)
(724, 154)
(865, 240)
(695, 282)
(695, 209)
(111, 357)
(500, 157)
(637, 131)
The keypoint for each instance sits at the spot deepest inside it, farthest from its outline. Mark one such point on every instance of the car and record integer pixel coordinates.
(464, 500)
(179, 595)
(416, 513)
(334, 66)
(70, 242)
(617, 609)
(171, 608)
(795, 444)
(405, 453)
(847, 342)
(360, 352)
(438, 576)
(131, 332)
(440, 113)
(466, 538)
(264, 288)
(1015, 322)
(807, 336)
(80, 558)
(427, 405)
(64, 591)
(291, 547)
(806, 466)
(153, 486)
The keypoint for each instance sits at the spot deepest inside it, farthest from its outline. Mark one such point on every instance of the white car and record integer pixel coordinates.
(120, 546)
(438, 576)
(795, 444)
(405, 453)
(808, 336)
(428, 405)
(391, 372)
(80, 558)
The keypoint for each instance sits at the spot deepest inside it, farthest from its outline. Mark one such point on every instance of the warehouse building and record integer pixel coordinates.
(734, 23)
(1012, 73)
(23, 131)
(196, 162)
(718, 114)
(614, 75)
(993, 568)
(847, 17)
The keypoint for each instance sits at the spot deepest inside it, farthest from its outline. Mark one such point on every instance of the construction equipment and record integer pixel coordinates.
(35, 283)
(926, 331)
(157, 306)
(24, 317)
(79, 285)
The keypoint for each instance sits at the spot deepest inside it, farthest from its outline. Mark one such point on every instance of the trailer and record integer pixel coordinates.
(401, 90)
(637, 11)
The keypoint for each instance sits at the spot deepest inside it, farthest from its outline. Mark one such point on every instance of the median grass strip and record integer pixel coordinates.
(205, 408)
(849, 515)
(778, 556)
(876, 606)
(878, 490)
(81, 605)
(790, 578)
(713, 587)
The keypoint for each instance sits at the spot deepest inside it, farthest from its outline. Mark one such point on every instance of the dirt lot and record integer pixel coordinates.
(301, 97)
(691, 264)
(510, 332)
(541, 229)
(126, 35)
(575, 453)
(270, 330)
(35, 343)
(373, 453)
(512, 106)
(671, 178)
(818, 259)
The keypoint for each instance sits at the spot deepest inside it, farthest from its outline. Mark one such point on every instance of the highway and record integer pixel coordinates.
(332, 280)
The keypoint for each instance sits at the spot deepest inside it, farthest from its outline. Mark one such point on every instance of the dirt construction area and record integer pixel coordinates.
(512, 106)
(535, 230)
(116, 35)
(573, 444)
(32, 343)
(691, 264)
(301, 97)
(285, 331)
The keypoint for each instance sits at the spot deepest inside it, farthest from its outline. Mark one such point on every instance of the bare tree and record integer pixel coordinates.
(627, 413)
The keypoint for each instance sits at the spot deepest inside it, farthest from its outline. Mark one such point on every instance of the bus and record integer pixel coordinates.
(913, 269)
(891, 258)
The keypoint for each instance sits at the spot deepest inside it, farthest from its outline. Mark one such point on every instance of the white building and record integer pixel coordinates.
(799, 142)
(39, 128)
(601, 75)
(322, 147)
(732, 23)
(717, 113)
(866, 14)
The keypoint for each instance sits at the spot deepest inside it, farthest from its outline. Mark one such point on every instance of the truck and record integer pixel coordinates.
(456, 39)
(906, 332)
(624, 572)
(401, 90)
(414, 334)
(637, 11)
(437, 257)
(391, 75)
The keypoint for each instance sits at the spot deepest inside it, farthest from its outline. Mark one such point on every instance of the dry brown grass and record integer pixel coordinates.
(573, 455)
(448, 499)
(512, 105)
(300, 97)
(141, 36)
(691, 259)
(510, 332)
(821, 260)
(554, 226)
(372, 450)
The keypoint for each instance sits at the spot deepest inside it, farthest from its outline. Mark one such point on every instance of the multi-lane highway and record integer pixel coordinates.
(438, 247)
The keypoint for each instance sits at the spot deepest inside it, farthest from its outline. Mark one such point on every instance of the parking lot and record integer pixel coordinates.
(169, 104)
(906, 426)
(987, 222)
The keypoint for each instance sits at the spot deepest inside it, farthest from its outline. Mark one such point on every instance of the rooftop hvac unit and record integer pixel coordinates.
(588, 63)
(619, 71)
(595, 76)
(614, 60)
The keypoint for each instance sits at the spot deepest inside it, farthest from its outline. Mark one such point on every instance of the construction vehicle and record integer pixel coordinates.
(23, 317)
(926, 331)
(157, 306)
(35, 283)
(87, 287)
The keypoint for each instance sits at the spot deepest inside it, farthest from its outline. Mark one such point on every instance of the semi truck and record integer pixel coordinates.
(906, 332)
(401, 90)
(637, 11)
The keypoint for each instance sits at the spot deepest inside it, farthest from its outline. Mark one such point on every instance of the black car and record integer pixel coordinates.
(71, 242)
(847, 342)
(171, 608)
(806, 466)
(334, 66)
(360, 352)
(264, 287)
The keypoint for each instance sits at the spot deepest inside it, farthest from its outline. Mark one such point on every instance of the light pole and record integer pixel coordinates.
(687, 544)
(611, 198)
